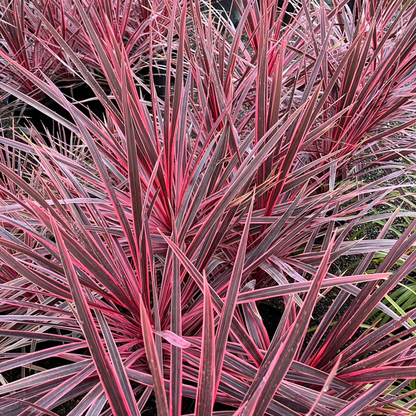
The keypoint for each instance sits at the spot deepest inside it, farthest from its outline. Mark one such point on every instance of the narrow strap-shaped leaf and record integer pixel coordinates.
(363, 400)
(325, 387)
(176, 369)
(37, 355)
(373, 375)
(43, 377)
(231, 297)
(293, 288)
(206, 383)
(155, 366)
(32, 406)
(118, 364)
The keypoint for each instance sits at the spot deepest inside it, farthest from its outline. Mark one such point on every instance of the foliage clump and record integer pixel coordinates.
(227, 166)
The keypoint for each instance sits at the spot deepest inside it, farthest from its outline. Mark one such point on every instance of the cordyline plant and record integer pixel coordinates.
(134, 264)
